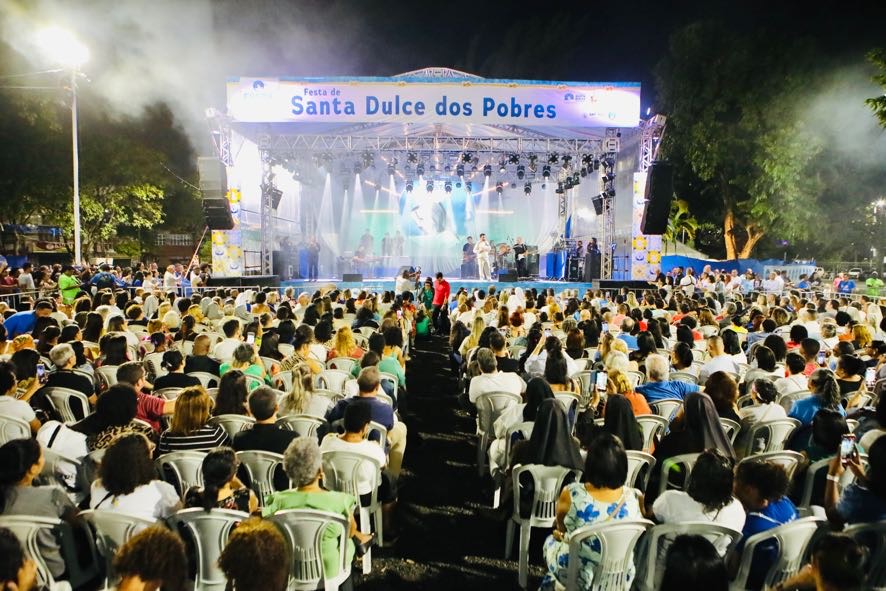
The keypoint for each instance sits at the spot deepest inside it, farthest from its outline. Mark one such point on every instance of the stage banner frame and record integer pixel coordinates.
(645, 249)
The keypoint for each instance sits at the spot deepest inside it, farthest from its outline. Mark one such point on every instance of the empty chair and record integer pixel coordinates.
(71, 405)
(208, 532)
(586, 381)
(350, 473)
(515, 351)
(682, 463)
(640, 467)
(489, 407)
(232, 424)
(333, 379)
(792, 539)
(653, 428)
(283, 380)
(769, 436)
(873, 537)
(107, 374)
(304, 425)
(731, 428)
(182, 469)
(260, 466)
(658, 539)
(547, 483)
(13, 428)
(112, 530)
(666, 408)
(207, 380)
(305, 531)
(342, 363)
(616, 541)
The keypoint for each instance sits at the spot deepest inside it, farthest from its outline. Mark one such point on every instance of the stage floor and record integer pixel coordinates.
(455, 282)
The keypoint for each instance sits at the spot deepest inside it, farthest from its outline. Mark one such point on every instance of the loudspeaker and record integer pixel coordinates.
(213, 184)
(352, 277)
(509, 277)
(659, 192)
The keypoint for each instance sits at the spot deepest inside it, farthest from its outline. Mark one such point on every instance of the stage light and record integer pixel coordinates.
(553, 158)
(409, 186)
(420, 170)
(521, 172)
(559, 190)
(502, 167)
(391, 169)
(610, 192)
(499, 187)
(533, 162)
(357, 168)
(608, 162)
(487, 170)
(514, 159)
(62, 47)
(412, 158)
(596, 164)
(447, 169)
(544, 186)
(460, 170)
(584, 171)
(447, 186)
(468, 186)
(527, 188)
(458, 184)
(568, 184)
(430, 186)
(546, 171)
(466, 157)
(566, 160)
(609, 177)
(368, 159)
(587, 160)
(576, 179)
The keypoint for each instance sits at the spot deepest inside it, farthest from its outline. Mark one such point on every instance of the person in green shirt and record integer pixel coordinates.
(303, 465)
(246, 360)
(427, 296)
(874, 284)
(68, 285)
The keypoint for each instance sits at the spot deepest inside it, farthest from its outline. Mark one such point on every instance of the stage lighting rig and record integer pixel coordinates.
(458, 184)
(527, 188)
(533, 162)
(576, 179)
(420, 170)
(521, 172)
(469, 186)
(553, 158)
(546, 171)
(487, 170)
(567, 184)
(514, 159)
(567, 159)
(466, 157)
(584, 171)
(368, 159)
(502, 167)
(411, 158)
(447, 186)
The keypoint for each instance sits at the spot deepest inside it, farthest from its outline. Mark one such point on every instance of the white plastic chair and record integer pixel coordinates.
(666, 408)
(260, 466)
(153, 363)
(186, 347)
(582, 364)
(873, 537)
(848, 477)
(168, 393)
(107, 374)
(792, 539)
(786, 401)
(186, 467)
(684, 376)
(65, 401)
(653, 427)
(686, 462)
(304, 425)
(524, 430)
(731, 428)
(617, 541)
(269, 363)
(27, 528)
(392, 379)
(253, 382)
(232, 424)
(367, 331)
(489, 407)
(343, 471)
(206, 378)
(342, 363)
(547, 483)
(333, 379)
(283, 380)
(636, 377)
(112, 530)
(772, 434)
(637, 461)
(209, 532)
(13, 428)
(586, 381)
(285, 350)
(304, 531)
(789, 460)
(660, 537)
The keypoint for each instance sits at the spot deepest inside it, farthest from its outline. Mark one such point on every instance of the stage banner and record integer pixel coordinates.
(645, 250)
(227, 245)
(426, 100)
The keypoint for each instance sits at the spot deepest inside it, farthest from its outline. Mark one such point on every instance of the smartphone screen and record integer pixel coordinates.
(870, 377)
(41, 373)
(250, 338)
(547, 332)
(822, 357)
(605, 327)
(602, 380)
(847, 446)
(503, 331)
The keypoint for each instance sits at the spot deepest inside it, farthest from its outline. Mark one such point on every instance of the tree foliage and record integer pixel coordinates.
(878, 103)
(742, 154)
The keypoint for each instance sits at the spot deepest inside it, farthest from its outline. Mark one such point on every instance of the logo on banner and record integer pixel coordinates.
(574, 97)
(258, 85)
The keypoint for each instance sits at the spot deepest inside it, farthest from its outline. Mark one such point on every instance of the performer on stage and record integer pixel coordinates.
(399, 241)
(386, 245)
(467, 258)
(520, 254)
(366, 241)
(482, 250)
(313, 258)
(592, 261)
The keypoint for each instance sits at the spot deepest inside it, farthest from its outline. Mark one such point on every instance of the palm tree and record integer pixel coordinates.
(681, 224)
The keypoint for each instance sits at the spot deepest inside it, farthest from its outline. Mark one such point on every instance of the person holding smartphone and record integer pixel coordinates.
(863, 501)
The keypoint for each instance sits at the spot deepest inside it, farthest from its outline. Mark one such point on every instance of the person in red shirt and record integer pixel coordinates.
(441, 296)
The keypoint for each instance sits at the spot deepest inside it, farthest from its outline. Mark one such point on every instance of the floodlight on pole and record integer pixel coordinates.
(62, 47)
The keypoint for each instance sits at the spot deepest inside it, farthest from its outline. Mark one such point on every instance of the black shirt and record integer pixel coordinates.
(175, 380)
(507, 364)
(264, 438)
(201, 363)
(65, 378)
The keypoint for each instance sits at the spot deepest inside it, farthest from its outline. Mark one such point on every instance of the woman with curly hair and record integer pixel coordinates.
(256, 546)
(152, 559)
(128, 482)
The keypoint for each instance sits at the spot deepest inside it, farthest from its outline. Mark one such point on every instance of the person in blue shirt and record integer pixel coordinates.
(863, 501)
(627, 325)
(657, 386)
(846, 285)
(104, 279)
(825, 394)
(803, 283)
(761, 487)
(24, 322)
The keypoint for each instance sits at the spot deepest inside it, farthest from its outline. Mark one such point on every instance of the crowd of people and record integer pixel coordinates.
(114, 376)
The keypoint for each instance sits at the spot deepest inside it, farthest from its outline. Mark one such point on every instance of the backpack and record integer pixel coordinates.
(105, 281)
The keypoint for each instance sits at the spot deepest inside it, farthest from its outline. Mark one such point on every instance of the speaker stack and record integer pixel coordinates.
(213, 186)
(659, 192)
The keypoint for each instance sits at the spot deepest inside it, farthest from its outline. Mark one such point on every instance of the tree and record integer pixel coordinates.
(681, 224)
(878, 104)
(734, 134)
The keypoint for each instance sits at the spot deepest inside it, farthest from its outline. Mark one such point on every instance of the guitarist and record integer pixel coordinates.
(520, 251)
(467, 258)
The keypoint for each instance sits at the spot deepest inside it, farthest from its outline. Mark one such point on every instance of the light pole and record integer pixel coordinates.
(62, 47)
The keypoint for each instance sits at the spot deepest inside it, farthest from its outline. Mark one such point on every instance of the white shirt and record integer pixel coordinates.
(676, 506)
(13, 407)
(370, 449)
(794, 383)
(751, 415)
(169, 280)
(401, 285)
(719, 363)
(152, 501)
(482, 248)
(496, 382)
(26, 282)
(688, 284)
(224, 350)
(535, 364)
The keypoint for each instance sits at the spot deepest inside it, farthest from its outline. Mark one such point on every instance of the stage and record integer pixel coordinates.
(378, 285)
